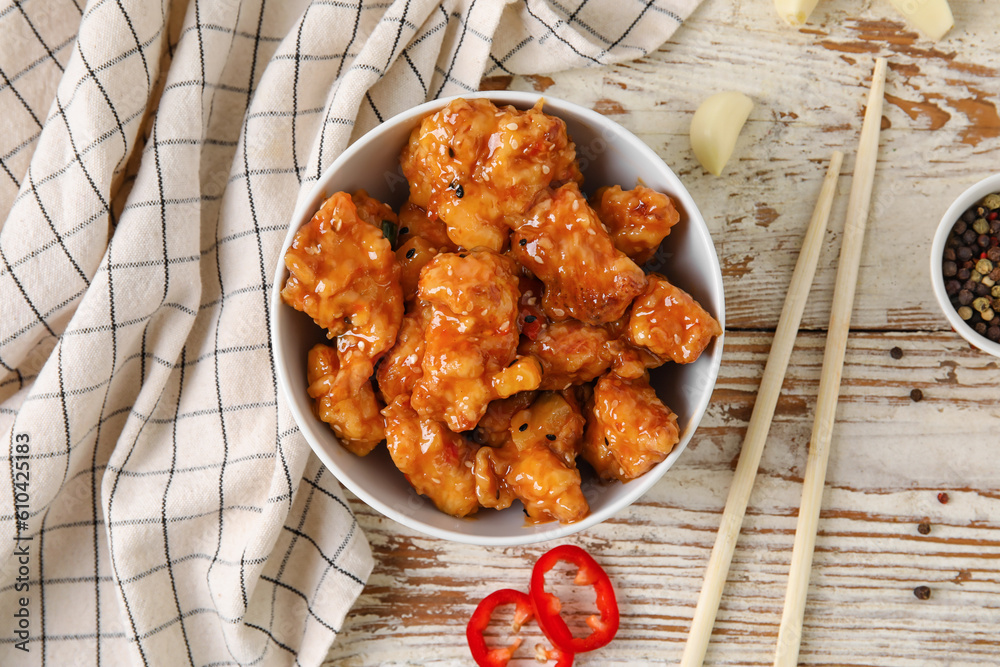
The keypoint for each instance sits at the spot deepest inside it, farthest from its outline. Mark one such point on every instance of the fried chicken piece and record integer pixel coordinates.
(564, 243)
(414, 221)
(471, 338)
(494, 426)
(548, 488)
(345, 277)
(569, 352)
(413, 256)
(572, 352)
(372, 210)
(356, 420)
(552, 421)
(666, 321)
(400, 368)
(629, 430)
(478, 167)
(437, 462)
(638, 220)
(536, 463)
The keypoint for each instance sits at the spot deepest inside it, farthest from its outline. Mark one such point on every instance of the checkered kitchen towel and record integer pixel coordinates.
(159, 505)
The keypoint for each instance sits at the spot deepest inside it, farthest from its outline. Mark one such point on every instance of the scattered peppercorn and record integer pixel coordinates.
(896, 353)
(943, 498)
(916, 395)
(922, 593)
(924, 528)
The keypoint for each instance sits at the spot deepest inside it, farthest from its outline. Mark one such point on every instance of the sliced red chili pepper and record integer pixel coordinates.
(548, 606)
(499, 657)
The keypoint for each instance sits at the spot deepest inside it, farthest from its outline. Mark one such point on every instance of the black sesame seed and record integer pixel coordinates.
(451, 152)
(530, 318)
(523, 428)
(410, 253)
(550, 437)
(524, 242)
(404, 230)
(459, 192)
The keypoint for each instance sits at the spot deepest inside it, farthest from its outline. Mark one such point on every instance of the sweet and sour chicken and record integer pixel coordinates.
(507, 332)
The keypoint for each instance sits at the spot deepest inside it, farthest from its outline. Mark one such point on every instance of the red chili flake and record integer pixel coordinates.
(943, 498)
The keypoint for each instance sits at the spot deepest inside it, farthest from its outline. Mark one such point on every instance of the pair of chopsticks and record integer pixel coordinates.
(789, 633)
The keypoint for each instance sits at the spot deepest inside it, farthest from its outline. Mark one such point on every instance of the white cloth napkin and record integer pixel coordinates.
(159, 505)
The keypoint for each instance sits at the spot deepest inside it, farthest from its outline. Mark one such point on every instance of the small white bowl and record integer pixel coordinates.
(965, 200)
(609, 155)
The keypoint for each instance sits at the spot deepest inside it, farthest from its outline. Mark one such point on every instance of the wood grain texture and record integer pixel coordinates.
(883, 482)
(891, 455)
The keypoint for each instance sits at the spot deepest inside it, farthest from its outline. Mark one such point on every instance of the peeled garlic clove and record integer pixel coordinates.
(932, 17)
(795, 12)
(715, 127)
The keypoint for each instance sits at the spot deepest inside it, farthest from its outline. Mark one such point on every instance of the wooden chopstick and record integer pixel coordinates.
(760, 421)
(790, 632)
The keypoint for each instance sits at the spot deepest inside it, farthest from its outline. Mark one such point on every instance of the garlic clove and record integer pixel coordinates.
(932, 17)
(715, 127)
(795, 12)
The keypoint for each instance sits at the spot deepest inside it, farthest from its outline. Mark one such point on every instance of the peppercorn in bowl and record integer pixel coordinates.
(476, 337)
(965, 265)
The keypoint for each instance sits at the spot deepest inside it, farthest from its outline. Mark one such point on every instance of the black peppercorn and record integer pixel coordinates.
(896, 353)
(993, 333)
(949, 269)
(980, 328)
(916, 396)
(952, 287)
(963, 274)
(993, 254)
(949, 254)
(969, 215)
(924, 528)
(969, 236)
(983, 241)
(970, 285)
(965, 297)
(963, 254)
(982, 289)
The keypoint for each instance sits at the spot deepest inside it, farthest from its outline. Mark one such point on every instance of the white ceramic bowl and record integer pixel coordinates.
(609, 155)
(965, 200)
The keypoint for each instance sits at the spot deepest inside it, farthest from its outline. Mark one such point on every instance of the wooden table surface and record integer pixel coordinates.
(908, 428)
